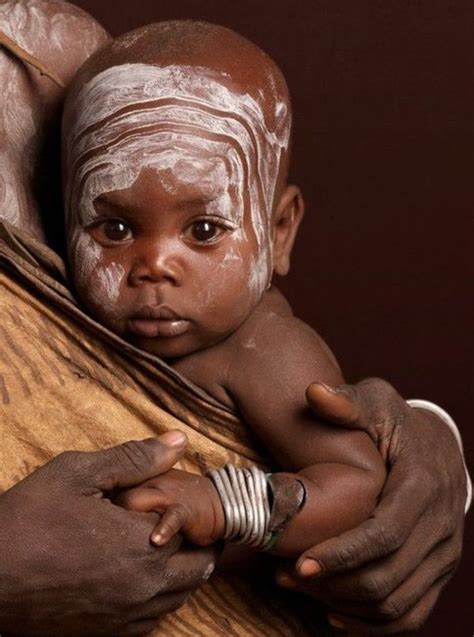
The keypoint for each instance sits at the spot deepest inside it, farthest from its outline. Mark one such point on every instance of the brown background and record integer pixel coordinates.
(384, 139)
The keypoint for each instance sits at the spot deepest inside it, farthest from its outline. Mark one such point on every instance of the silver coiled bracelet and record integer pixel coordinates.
(246, 502)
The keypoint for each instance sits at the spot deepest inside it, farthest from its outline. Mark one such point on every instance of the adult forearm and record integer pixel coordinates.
(439, 414)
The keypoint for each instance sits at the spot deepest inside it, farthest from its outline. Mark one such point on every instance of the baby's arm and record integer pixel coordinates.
(342, 470)
(276, 358)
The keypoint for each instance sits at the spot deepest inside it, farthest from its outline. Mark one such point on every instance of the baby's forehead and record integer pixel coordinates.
(127, 113)
(189, 182)
(146, 113)
(114, 97)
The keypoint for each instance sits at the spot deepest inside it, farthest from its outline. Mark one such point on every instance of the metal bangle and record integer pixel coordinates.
(245, 499)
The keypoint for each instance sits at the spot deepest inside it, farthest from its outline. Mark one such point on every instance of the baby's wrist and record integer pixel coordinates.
(256, 506)
(217, 510)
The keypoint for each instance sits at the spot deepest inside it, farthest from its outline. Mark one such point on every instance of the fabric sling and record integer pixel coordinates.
(66, 382)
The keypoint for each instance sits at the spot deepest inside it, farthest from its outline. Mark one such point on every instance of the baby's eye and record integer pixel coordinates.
(116, 230)
(203, 231)
(111, 231)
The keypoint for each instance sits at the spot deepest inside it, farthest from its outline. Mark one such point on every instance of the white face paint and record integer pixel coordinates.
(37, 26)
(17, 128)
(109, 280)
(39, 29)
(85, 254)
(180, 120)
(86, 260)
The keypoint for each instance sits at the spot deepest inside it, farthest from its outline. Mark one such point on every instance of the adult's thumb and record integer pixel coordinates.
(128, 464)
(336, 405)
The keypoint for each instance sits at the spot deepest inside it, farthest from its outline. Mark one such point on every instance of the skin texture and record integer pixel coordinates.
(215, 130)
(72, 563)
(341, 471)
(377, 571)
(157, 264)
(31, 102)
(385, 576)
(407, 612)
(173, 266)
(36, 597)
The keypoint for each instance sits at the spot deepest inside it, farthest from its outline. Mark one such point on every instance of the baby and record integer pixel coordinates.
(176, 152)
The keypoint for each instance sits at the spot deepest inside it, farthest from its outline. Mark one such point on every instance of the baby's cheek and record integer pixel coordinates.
(97, 283)
(231, 286)
(106, 282)
(84, 254)
(256, 262)
(260, 274)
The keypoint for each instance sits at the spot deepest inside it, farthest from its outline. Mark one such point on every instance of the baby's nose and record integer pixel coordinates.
(156, 263)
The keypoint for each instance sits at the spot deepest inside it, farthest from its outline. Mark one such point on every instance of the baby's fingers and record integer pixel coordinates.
(173, 519)
(142, 499)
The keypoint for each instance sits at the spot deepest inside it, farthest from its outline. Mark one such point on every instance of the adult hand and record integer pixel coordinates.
(73, 563)
(384, 577)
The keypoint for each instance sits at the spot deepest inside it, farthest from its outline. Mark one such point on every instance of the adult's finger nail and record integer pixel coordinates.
(173, 438)
(336, 623)
(157, 539)
(309, 568)
(283, 579)
(328, 388)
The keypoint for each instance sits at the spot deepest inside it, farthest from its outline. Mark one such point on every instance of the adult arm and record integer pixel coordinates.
(385, 576)
(335, 474)
(73, 563)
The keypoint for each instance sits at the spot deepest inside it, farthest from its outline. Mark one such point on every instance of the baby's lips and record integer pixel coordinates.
(158, 328)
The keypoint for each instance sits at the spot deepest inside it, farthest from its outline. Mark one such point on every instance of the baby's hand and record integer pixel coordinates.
(188, 503)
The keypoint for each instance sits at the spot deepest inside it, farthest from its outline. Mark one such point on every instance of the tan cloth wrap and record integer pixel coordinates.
(67, 383)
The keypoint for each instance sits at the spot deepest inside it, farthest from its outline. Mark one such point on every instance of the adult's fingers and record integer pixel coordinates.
(383, 600)
(409, 622)
(189, 568)
(125, 465)
(381, 535)
(426, 550)
(371, 405)
(340, 406)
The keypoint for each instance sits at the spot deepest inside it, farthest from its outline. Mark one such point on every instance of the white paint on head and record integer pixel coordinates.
(260, 273)
(45, 26)
(103, 281)
(108, 280)
(84, 254)
(17, 130)
(181, 121)
(48, 31)
(250, 344)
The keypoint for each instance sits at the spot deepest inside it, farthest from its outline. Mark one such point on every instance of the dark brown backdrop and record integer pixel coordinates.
(383, 96)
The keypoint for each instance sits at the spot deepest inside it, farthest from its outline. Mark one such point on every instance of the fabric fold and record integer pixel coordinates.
(66, 382)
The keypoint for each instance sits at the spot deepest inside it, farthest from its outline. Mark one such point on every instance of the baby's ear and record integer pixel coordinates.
(286, 220)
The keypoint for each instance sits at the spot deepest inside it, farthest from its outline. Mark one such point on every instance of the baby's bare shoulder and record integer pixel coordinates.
(272, 340)
(271, 348)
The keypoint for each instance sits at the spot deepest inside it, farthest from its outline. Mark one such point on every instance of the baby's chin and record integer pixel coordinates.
(169, 348)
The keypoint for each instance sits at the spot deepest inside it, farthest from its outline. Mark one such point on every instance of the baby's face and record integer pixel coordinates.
(171, 179)
(173, 271)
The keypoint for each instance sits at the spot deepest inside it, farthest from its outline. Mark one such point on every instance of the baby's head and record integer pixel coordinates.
(176, 144)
